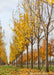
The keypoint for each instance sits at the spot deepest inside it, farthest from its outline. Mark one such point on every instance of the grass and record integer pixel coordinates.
(42, 68)
(13, 70)
(5, 70)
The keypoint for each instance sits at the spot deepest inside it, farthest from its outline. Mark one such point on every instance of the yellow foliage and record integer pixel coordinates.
(3, 56)
(51, 1)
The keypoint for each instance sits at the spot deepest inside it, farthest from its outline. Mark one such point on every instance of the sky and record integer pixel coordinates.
(6, 9)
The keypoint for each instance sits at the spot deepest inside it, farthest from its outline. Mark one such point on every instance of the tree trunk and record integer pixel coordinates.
(31, 52)
(27, 56)
(16, 61)
(21, 59)
(38, 49)
(47, 51)
(38, 53)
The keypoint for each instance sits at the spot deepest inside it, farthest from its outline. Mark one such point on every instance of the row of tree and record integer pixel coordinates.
(33, 25)
(42, 53)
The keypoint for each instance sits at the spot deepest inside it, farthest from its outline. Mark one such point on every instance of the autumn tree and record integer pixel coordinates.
(47, 26)
(3, 56)
(32, 25)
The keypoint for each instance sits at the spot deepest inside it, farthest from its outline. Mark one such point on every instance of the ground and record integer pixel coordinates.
(12, 70)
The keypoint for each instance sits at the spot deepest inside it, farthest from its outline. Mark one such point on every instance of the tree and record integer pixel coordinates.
(47, 26)
(3, 56)
(23, 32)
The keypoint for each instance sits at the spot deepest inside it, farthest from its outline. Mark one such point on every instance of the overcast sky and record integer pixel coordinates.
(6, 8)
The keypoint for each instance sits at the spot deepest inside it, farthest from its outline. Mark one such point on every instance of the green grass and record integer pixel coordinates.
(42, 68)
(6, 69)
